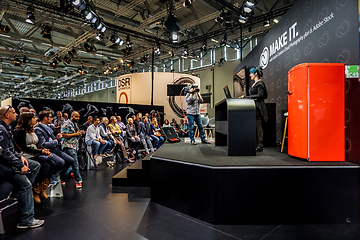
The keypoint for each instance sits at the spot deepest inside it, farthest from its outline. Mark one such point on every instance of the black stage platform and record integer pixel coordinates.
(270, 188)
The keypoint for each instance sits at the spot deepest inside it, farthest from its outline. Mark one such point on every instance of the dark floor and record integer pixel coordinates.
(99, 212)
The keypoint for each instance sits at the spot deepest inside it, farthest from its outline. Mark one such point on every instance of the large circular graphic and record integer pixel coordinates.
(171, 99)
(264, 58)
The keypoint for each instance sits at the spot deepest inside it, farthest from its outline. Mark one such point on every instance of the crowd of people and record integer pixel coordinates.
(40, 151)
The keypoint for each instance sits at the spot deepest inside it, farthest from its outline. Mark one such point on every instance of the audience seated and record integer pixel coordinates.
(107, 136)
(88, 122)
(121, 126)
(26, 143)
(93, 137)
(144, 133)
(47, 140)
(116, 133)
(184, 128)
(175, 125)
(166, 123)
(132, 135)
(156, 133)
(24, 171)
(58, 122)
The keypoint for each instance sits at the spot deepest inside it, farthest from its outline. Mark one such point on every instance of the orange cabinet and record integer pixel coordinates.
(316, 105)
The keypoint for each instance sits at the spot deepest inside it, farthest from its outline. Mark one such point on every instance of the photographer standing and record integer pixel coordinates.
(193, 99)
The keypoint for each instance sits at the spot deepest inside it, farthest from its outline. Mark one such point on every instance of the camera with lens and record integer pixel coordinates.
(196, 90)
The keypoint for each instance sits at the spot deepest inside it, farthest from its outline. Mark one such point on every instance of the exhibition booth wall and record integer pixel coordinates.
(324, 31)
(85, 108)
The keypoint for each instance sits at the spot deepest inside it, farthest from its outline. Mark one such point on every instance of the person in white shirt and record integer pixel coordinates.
(93, 137)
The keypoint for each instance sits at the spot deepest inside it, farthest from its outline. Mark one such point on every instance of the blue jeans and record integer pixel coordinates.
(158, 141)
(197, 119)
(23, 190)
(75, 167)
(62, 156)
(97, 148)
(144, 140)
(109, 146)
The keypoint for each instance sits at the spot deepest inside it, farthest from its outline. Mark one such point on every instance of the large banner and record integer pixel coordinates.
(317, 31)
(123, 89)
(136, 89)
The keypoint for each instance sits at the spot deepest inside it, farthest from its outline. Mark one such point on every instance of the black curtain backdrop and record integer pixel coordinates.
(86, 109)
(311, 31)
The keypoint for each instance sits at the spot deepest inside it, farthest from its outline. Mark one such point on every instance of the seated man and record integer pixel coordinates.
(116, 133)
(88, 122)
(107, 136)
(184, 128)
(24, 171)
(47, 140)
(93, 137)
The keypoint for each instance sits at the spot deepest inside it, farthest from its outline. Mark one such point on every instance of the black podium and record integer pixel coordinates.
(235, 126)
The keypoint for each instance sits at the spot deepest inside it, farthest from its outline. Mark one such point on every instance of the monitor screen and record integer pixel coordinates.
(175, 89)
(227, 92)
(240, 82)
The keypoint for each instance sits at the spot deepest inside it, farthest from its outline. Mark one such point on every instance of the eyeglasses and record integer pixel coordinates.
(9, 107)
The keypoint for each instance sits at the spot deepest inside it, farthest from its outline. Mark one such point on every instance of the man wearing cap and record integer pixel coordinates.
(193, 99)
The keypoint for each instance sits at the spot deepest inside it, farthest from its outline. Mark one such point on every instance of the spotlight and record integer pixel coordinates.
(228, 22)
(100, 36)
(171, 25)
(88, 14)
(117, 68)
(266, 23)
(54, 64)
(174, 37)
(131, 64)
(203, 47)
(80, 71)
(275, 20)
(30, 16)
(67, 59)
(248, 7)
(185, 52)
(157, 49)
(88, 47)
(187, 3)
(221, 17)
(117, 40)
(224, 40)
(46, 32)
(5, 28)
(17, 62)
(107, 71)
(76, 3)
(129, 44)
(98, 25)
(172, 53)
(72, 52)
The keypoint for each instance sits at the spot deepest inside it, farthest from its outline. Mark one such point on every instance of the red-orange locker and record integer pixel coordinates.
(316, 106)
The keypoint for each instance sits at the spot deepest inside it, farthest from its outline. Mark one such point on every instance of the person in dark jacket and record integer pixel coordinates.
(258, 92)
(131, 134)
(24, 170)
(26, 143)
(144, 133)
(48, 140)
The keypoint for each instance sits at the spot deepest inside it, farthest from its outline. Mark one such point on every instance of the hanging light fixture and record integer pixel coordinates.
(30, 16)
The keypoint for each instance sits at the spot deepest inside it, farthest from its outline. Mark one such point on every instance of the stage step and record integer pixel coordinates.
(135, 175)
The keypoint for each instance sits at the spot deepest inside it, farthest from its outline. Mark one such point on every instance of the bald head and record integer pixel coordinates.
(8, 114)
(75, 116)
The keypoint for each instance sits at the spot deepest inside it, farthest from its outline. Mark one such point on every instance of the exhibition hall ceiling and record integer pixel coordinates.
(49, 46)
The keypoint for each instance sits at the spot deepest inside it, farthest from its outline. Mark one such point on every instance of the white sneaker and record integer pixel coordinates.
(98, 160)
(34, 224)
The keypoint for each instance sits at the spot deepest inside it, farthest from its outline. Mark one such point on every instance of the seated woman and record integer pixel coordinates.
(156, 133)
(26, 142)
(116, 133)
(132, 135)
(144, 133)
(166, 123)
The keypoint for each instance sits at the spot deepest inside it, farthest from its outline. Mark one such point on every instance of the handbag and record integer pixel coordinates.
(157, 134)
